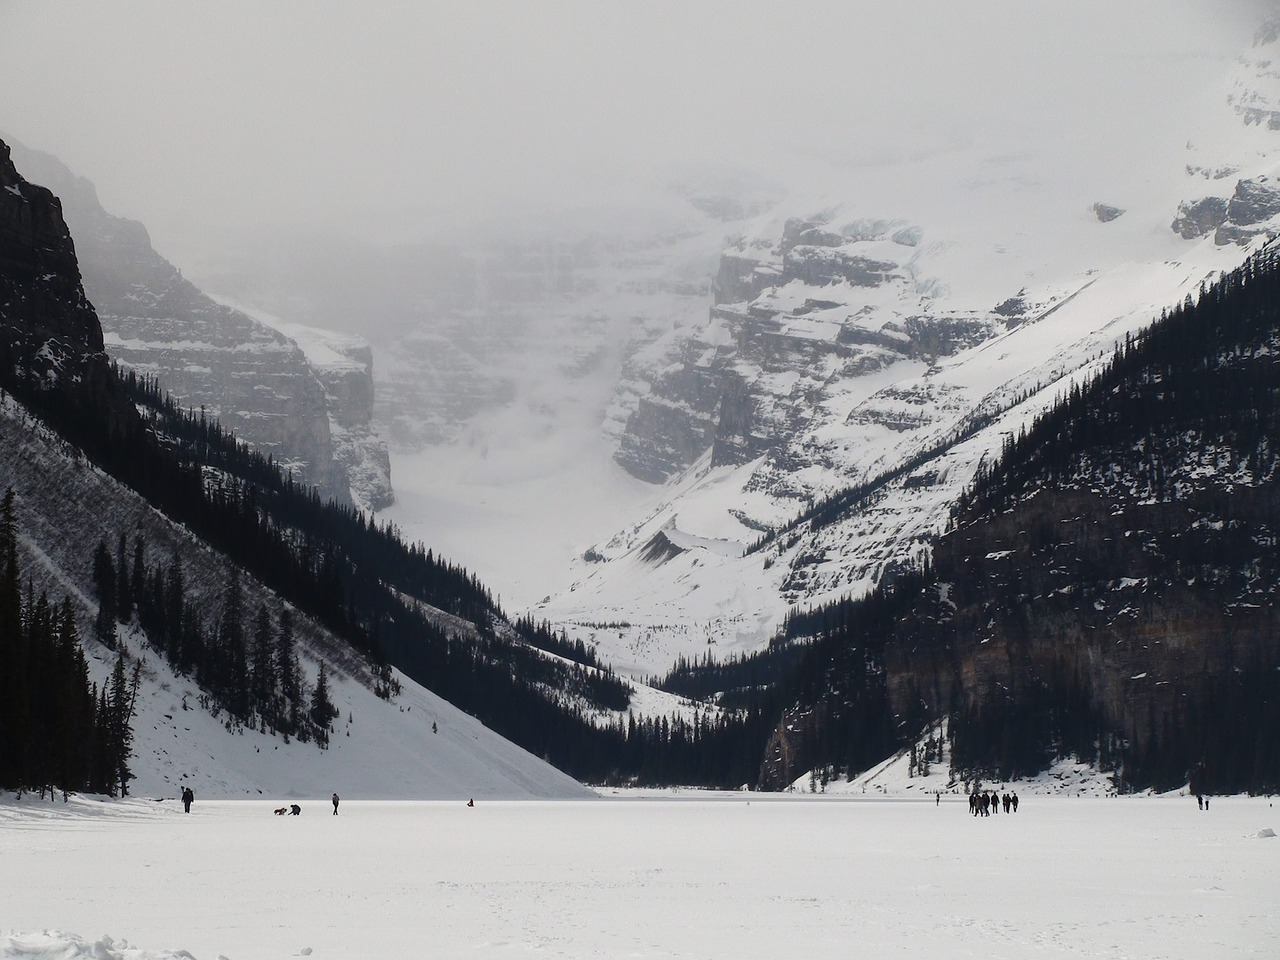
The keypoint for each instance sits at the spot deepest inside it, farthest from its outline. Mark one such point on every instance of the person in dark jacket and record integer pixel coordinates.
(188, 798)
(335, 804)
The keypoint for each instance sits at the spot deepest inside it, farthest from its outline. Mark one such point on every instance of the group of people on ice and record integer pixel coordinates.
(983, 804)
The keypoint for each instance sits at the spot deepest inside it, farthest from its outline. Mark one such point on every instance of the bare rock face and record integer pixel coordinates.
(253, 379)
(1105, 212)
(1256, 98)
(1253, 208)
(554, 321)
(344, 365)
(1198, 218)
(49, 336)
(1250, 211)
(792, 320)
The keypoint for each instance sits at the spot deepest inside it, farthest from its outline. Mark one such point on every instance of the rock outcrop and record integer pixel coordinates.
(1253, 208)
(551, 325)
(50, 340)
(253, 379)
(821, 306)
(344, 365)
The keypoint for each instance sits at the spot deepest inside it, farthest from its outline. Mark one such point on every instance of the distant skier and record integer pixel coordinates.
(471, 802)
(335, 804)
(188, 798)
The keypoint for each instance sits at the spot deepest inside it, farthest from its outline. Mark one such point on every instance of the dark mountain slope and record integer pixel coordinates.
(388, 601)
(1109, 589)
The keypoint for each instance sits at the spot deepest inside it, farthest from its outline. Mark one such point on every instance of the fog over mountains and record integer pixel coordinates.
(635, 304)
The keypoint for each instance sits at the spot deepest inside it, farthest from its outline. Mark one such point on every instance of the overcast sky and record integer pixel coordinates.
(375, 118)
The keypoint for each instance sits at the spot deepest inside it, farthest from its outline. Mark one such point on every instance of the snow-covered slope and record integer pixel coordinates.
(378, 748)
(416, 747)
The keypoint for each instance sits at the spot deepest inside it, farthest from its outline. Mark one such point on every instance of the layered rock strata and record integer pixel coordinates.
(210, 357)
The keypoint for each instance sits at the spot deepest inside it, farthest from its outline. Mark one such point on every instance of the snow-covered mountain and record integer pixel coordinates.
(588, 407)
(877, 355)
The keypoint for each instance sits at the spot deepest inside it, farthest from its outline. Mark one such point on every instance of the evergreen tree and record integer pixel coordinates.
(286, 665)
(322, 709)
(119, 706)
(263, 670)
(230, 661)
(104, 585)
(49, 725)
(124, 587)
(13, 660)
(138, 574)
(171, 594)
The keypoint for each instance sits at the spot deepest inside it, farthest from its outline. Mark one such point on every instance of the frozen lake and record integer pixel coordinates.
(682, 877)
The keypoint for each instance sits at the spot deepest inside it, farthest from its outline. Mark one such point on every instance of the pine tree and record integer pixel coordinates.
(13, 665)
(263, 670)
(290, 712)
(322, 709)
(104, 585)
(124, 587)
(172, 597)
(138, 575)
(120, 704)
(231, 661)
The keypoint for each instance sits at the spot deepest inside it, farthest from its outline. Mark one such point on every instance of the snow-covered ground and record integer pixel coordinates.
(686, 875)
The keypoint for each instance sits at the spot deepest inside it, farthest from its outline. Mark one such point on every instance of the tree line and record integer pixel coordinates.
(1161, 469)
(245, 665)
(57, 727)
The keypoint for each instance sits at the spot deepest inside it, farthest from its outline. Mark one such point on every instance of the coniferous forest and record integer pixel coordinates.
(1109, 590)
(59, 730)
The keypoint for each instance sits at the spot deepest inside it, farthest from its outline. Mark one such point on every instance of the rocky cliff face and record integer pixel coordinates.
(50, 340)
(822, 305)
(1241, 209)
(344, 365)
(252, 378)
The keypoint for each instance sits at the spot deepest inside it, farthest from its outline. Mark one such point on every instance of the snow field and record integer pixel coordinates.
(682, 875)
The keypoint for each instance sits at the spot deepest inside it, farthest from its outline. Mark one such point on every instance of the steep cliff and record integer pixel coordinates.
(343, 363)
(51, 345)
(824, 305)
(549, 318)
(209, 356)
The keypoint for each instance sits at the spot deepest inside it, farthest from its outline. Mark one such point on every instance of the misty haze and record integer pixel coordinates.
(723, 395)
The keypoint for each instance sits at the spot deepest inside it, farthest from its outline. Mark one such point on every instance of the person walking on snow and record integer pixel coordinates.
(335, 804)
(188, 797)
